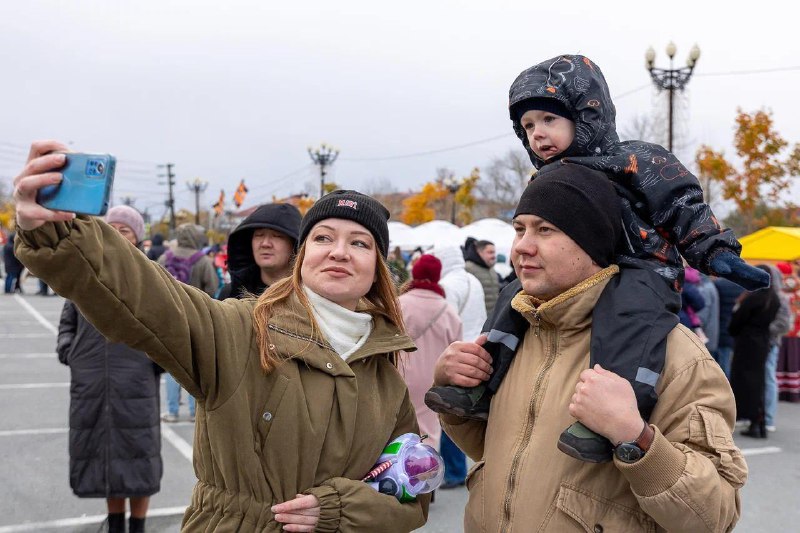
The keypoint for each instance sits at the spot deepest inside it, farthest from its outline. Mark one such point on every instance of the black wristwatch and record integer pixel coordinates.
(630, 452)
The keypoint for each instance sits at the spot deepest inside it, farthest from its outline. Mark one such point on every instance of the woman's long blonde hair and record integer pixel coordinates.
(381, 300)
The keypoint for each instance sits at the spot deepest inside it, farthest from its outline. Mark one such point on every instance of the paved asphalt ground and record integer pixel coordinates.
(34, 488)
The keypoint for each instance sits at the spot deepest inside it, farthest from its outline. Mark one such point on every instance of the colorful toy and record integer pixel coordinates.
(406, 468)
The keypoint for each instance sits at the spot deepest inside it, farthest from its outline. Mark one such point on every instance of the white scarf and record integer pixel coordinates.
(345, 330)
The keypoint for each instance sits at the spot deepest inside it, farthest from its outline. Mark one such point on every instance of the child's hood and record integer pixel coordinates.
(579, 84)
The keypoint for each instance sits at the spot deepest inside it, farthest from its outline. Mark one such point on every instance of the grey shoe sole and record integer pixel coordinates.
(438, 405)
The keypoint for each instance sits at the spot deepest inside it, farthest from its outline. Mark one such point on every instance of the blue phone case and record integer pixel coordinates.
(86, 187)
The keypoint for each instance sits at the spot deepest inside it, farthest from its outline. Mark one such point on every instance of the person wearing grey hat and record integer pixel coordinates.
(127, 221)
(261, 250)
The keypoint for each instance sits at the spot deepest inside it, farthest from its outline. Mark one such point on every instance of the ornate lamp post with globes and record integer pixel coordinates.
(452, 184)
(324, 156)
(671, 79)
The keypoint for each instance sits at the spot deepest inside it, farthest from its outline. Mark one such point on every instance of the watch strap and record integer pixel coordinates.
(645, 438)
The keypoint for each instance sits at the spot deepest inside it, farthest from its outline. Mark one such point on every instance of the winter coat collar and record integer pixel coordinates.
(299, 338)
(570, 310)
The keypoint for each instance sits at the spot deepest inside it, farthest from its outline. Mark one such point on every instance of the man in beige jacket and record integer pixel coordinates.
(679, 471)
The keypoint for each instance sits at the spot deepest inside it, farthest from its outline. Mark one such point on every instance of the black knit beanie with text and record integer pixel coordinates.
(582, 203)
(350, 205)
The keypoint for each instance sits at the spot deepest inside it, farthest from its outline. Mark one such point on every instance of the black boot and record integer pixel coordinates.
(757, 430)
(136, 525)
(116, 522)
(470, 403)
(583, 444)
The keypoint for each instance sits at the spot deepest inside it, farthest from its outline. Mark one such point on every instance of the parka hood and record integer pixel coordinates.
(578, 84)
(452, 258)
(191, 236)
(245, 273)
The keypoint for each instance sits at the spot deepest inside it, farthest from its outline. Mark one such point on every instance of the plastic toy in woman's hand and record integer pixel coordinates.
(406, 468)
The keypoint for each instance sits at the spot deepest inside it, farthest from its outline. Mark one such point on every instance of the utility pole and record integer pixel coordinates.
(128, 200)
(324, 156)
(197, 186)
(170, 203)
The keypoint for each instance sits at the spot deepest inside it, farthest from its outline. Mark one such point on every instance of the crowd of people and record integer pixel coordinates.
(590, 387)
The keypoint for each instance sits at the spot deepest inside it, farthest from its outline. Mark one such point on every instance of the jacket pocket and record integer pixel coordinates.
(709, 431)
(473, 513)
(270, 410)
(594, 514)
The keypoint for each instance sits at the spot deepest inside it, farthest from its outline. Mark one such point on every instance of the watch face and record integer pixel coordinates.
(628, 453)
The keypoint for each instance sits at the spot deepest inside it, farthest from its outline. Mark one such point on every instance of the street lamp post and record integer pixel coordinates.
(197, 186)
(324, 156)
(671, 79)
(452, 184)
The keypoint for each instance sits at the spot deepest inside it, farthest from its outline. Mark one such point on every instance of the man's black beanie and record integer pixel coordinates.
(350, 205)
(284, 218)
(580, 202)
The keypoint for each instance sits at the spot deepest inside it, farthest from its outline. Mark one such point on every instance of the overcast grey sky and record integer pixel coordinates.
(238, 89)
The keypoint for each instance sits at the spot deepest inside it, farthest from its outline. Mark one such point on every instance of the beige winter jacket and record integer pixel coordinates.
(315, 425)
(687, 481)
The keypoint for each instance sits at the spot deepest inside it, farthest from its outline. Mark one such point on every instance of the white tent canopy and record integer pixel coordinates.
(442, 232)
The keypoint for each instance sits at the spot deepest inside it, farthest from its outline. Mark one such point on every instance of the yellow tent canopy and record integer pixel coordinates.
(774, 243)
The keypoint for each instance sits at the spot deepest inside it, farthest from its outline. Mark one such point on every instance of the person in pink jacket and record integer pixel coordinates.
(432, 324)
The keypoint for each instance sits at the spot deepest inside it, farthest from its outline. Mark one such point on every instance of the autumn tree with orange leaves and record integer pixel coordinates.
(767, 170)
(435, 201)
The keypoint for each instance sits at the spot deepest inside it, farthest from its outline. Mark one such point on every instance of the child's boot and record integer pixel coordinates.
(470, 403)
(583, 444)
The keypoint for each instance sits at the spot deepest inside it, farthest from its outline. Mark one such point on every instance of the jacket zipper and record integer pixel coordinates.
(528, 429)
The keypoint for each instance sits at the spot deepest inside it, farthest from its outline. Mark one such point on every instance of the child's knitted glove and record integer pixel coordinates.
(730, 266)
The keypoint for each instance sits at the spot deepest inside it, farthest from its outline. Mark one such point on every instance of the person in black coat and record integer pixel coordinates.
(114, 425)
(749, 328)
(12, 266)
(261, 250)
(157, 247)
(728, 292)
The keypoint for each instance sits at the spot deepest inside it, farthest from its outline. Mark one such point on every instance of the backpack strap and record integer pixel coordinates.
(195, 257)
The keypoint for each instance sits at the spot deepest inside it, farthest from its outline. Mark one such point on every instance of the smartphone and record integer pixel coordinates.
(86, 187)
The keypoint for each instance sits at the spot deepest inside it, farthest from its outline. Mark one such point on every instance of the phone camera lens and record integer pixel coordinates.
(100, 168)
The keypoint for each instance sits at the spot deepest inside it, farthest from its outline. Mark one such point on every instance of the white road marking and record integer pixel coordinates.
(25, 432)
(36, 314)
(50, 355)
(15, 386)
(760, 451)
(83, 521)
(183, 447)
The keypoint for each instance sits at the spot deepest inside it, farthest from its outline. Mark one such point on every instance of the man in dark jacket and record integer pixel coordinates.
(13, 267)
(157, 248)
(261, 250)
(728, 294)
(480, 258)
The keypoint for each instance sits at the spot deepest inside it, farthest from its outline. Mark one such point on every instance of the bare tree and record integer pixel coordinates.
(643, 128)
(378, 186)
(505, 179)
(383, 190)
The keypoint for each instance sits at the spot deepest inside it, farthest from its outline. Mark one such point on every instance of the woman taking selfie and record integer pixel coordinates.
(297, 391)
